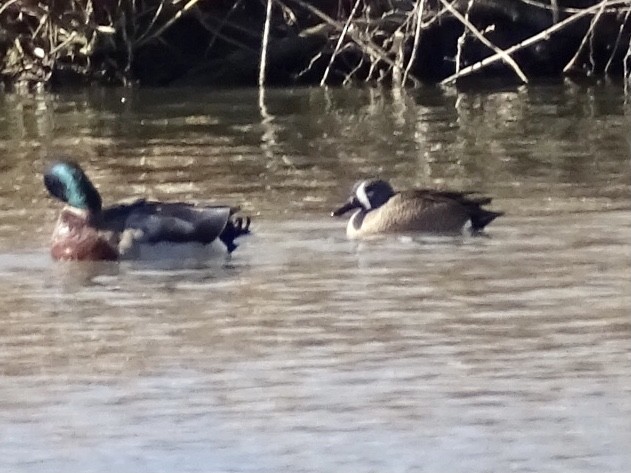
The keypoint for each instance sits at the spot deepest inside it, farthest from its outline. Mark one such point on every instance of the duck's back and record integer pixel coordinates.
(179, 223)
(168, 222)
(415, 211)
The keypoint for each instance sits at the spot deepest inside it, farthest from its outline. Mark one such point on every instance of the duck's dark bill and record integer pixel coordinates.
(348, 206)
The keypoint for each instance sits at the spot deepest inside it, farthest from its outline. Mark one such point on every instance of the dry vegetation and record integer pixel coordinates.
(229, 42)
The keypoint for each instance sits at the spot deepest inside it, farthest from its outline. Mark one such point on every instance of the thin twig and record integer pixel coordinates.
(153, 21)
(463, 37)
(552, 7)
(627, 75)
(216, 31)
(397, 43)
(436, 17)
(128, 44)
(168, 24)
(7, 5)
(371, 71)
(418, 11)
(340, 40)
(367, 45)
(59, 47)
(265, 42)
(350, 75)
(42, 22)
(589, 33)
(312, 61)
(530, 41)
(509, 60)
(228, 39)
(614, 50)
(554, 4)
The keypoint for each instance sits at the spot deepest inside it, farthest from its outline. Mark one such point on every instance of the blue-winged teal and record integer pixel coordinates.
(381, 210)
(86, 231)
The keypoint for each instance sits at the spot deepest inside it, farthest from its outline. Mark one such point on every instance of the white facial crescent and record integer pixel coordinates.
(362, 196)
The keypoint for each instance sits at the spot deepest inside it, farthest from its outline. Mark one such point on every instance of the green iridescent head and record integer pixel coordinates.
(66, 181)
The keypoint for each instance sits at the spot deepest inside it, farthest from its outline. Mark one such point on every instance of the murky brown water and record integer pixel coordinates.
(306, 352)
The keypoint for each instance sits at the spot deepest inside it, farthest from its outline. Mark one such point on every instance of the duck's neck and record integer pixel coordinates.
(78, 190)
(82, 213)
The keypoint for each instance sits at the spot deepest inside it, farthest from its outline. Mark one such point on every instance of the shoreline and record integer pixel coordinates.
(315, 42)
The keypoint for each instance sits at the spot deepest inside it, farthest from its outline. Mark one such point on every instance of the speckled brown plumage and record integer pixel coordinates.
(382, 211)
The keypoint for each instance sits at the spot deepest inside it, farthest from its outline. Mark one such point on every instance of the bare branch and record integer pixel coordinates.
(418, 12)
(545, 34)
(618, 38)
(167, 25)
(503, 55)
(340, 40)
(153, 21)
(588, 34)
(367, 45)
(7, 5)
(462, 38)
(265, 43)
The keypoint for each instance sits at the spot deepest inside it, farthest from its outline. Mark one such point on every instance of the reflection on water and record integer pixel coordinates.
(304, 351)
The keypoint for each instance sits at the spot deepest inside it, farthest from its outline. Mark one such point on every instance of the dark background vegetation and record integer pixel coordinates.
(219, 42)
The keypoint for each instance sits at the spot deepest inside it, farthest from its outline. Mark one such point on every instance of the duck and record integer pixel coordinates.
(87, 231)
(379, 210)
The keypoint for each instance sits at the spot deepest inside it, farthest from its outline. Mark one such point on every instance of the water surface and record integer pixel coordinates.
(306, 352)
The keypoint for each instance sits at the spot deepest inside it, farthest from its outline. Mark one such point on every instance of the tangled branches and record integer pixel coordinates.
(445, 40)
(80, 40)
(246, 42)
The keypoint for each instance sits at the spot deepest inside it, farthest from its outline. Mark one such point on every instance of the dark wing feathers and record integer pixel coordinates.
(114, 218)
(465, 198)
(471, 201)
(172, 222)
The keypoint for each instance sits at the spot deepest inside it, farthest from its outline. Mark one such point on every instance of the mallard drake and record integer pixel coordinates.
(87, 231)
(381, 210)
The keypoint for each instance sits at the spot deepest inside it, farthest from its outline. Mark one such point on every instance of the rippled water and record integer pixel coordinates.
(305, 352)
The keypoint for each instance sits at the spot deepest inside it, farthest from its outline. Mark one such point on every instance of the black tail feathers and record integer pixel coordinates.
(234, 229)
(482, 218)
